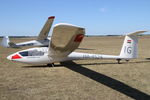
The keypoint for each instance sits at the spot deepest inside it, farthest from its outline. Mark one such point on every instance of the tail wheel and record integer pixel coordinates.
(50, 65)
(118, 61)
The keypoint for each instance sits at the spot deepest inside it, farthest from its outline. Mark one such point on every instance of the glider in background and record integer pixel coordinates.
(65, 39)
(42, 39)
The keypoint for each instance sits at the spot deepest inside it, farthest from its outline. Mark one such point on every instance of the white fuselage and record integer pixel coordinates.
(40, 56)
(43, 43)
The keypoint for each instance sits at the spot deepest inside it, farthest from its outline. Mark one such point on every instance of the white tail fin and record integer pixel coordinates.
(5, 42)
(130, 45)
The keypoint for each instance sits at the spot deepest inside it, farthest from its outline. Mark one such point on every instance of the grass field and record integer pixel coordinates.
(82, 79)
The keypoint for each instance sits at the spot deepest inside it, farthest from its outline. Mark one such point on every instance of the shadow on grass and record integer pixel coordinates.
(40, 66)
(59, 65)
(107, 81)
(115, 62)
(147, 58)
(100, 63)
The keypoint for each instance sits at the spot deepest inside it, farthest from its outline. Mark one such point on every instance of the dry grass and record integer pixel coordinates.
(79, 80)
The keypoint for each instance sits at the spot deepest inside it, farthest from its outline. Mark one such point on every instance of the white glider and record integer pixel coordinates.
(42, 39)
(65, 39)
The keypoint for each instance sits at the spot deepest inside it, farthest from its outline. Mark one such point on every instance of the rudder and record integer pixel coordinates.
(5, 42)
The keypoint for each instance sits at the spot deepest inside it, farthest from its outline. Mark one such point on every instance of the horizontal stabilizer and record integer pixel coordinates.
(136, 33)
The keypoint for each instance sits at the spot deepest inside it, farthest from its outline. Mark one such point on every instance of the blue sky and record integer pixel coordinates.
(99, 17)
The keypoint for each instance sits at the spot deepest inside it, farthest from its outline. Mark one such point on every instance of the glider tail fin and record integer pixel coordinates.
(5, 42)
(46, 28)
(130, 46)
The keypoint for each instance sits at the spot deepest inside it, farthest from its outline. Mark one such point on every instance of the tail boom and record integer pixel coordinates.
(84, 56)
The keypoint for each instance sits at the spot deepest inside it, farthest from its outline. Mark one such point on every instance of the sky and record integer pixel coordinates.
(98, 17)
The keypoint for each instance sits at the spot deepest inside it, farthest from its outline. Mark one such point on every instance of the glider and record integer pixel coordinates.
(42, 39)
(65, 39)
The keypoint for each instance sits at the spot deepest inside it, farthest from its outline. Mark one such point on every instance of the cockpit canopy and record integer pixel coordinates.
(31, 53)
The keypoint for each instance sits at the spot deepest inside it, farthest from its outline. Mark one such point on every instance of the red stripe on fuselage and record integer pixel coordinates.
(16, 56)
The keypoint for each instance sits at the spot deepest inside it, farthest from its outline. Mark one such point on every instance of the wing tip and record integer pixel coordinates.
(51, 17)
(66, 24)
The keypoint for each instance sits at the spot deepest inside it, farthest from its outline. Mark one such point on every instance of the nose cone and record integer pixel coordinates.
(14, 57)
(9, 57)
